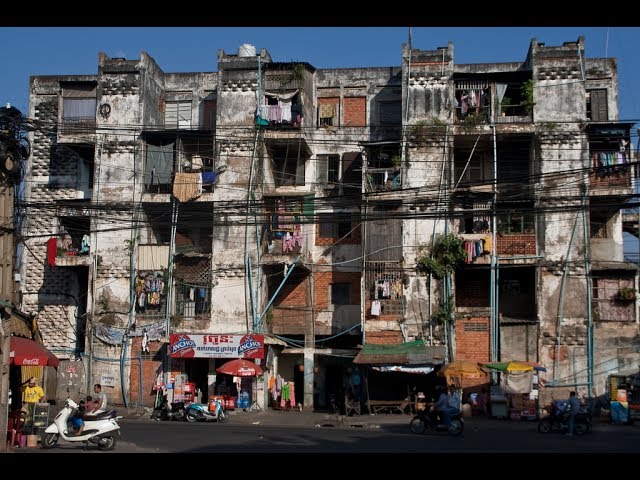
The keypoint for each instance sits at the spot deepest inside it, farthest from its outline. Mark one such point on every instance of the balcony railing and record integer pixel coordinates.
(380, 179)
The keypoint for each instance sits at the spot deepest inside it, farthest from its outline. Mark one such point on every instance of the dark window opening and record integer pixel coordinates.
(288, 166)
(340, 294)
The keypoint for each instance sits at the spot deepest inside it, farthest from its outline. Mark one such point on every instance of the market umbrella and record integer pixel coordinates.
(515, 366)
(23, 351)
(461, 369)
(240, 368)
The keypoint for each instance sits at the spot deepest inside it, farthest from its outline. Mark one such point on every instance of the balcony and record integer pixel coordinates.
(72, 258)
(383, 179)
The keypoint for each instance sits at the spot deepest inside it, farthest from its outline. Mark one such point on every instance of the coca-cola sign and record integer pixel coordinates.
(31, 361)
(190, 345)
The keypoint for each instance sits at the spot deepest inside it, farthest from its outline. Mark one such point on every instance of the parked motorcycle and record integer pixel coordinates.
(558, 420)
(197, 412)
(429, 420)
(169, 411)
(101, 429)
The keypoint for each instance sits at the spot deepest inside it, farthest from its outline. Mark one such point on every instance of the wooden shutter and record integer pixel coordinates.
(599, 105)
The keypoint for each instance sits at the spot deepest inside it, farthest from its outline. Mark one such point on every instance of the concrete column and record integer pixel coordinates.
(309, 357)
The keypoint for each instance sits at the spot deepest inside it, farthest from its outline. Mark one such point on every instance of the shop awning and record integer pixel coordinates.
(414, 353)
(28, 352)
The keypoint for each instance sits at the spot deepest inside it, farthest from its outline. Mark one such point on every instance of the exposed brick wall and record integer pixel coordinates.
(354, 238)
(472, 289)
(290, 307)
(388, 337)
(516, 244)
(151, 364)
(355, 111)
(472, 344)
(323, 287)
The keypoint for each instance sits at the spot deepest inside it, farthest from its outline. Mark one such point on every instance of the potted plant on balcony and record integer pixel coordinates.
(626, 293)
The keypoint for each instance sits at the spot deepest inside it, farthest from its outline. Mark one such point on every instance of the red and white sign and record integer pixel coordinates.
(187, 345)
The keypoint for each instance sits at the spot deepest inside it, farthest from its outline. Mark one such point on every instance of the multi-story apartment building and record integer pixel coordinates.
(170, 215)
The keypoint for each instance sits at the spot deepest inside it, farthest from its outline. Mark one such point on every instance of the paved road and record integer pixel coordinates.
(480, 436)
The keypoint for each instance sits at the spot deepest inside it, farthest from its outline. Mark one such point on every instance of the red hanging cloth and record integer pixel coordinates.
(52, 251)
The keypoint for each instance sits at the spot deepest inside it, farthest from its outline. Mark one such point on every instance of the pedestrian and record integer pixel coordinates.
(32, 393)
(574, 408)
(356, 383)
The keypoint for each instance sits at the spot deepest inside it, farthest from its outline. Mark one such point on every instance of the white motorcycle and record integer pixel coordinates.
(101, 429)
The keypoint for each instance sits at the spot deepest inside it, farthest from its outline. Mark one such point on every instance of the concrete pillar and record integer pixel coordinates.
(309, 357)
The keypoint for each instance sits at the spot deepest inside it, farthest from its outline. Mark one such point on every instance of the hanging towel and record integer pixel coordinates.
(375, 307)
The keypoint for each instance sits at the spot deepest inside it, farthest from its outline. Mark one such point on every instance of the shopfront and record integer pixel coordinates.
(194, 359)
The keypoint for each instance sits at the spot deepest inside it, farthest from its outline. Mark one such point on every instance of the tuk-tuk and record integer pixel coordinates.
(624, 396)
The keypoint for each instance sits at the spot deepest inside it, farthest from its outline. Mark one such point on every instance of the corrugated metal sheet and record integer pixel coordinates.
(410, 353)
(153, 257)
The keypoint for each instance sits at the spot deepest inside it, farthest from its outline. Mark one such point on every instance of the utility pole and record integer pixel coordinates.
(14, 148)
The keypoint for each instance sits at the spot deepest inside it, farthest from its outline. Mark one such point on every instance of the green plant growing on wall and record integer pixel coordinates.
(626, 293)
(527, 96)
(447, 254)
(129, 246)
(423, 130)
(396, 160)
(504, 104)
(294, 77)
(443, 313)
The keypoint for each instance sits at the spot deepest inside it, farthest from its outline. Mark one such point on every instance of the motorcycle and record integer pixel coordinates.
(167, 411)
(101, 429)
(429, 420)
(558, 420)
(197, 412)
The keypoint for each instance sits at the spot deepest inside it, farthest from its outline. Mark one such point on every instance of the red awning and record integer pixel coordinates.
(27, 352)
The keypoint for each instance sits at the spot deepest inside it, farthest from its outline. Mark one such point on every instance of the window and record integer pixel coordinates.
(597, 105)
(599, 225)
(177, 114)
(210, 114)
(328, 112)
(192, 300)
(390, 113)
(340, 294)
(475, 171)
(517, 222)
(328, 169)
(332, 229)
(288, 167)
(78, 107)
(607, 305)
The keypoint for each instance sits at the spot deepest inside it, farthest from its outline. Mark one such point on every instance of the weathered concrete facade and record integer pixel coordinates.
(325, 189)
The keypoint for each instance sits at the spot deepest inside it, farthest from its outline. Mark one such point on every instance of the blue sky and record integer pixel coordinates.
(74, 50)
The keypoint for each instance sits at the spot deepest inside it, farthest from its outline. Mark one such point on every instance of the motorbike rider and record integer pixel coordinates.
(101, 405)
(445, 405)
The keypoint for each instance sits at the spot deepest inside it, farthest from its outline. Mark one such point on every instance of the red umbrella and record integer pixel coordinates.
(240, 368)
(27, 352)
